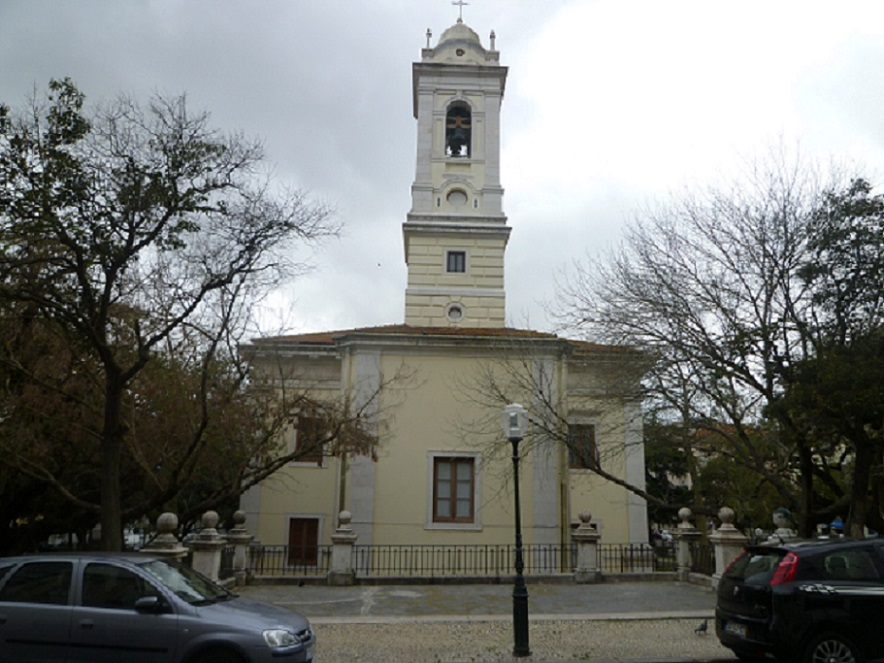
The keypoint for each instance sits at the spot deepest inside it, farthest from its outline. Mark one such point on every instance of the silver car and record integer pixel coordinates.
(94, 607)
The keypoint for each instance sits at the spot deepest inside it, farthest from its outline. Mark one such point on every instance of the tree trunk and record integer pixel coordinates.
(859, 490)
(111, 454)
(111, 516)
(805, 460)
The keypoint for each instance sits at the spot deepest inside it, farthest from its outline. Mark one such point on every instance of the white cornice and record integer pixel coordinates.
(464, 226)
(455, 292)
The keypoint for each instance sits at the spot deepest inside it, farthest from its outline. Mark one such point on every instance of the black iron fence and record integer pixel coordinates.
(459, 560)
(226, 569)
(277, 560)
(478, 561)
(702, 557)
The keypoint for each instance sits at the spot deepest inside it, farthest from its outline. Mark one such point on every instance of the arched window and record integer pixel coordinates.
(458, 133)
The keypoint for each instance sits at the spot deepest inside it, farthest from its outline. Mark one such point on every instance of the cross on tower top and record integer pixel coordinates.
(460, 5)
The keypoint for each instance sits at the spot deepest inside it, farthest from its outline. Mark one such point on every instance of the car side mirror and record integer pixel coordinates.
(151, 604)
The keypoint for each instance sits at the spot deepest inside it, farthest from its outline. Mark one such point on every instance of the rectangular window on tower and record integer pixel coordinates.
(456, 262)
(454, 490)
(583, 452)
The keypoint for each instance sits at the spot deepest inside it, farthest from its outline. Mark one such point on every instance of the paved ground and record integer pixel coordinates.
(615, 621)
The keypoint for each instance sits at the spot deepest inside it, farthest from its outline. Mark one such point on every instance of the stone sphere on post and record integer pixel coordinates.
(684, 517)
(167, 525)
(727, 516)
(586, 523)
(165, 542)
(209, 522)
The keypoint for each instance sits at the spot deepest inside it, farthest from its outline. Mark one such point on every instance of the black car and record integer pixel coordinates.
(136, 608)
(805, 602)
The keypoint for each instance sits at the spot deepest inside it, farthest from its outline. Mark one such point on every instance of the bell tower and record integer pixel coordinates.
(456, 233)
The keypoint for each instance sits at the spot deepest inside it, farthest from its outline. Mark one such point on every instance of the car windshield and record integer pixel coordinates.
(191, 586)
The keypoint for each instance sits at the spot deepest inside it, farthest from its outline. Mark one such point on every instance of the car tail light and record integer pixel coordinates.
(786, 569)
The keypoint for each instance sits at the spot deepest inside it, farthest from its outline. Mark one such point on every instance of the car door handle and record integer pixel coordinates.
(87, 623)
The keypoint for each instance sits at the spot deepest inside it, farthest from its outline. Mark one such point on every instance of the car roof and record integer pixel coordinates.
(132, 557)
(814, 545)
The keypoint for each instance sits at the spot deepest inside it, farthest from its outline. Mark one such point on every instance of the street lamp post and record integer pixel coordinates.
(514, 420)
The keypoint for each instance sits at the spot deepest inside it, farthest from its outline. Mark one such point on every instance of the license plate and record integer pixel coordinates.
(735, 629)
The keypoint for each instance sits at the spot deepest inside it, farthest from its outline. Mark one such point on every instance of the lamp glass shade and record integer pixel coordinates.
(514, 421)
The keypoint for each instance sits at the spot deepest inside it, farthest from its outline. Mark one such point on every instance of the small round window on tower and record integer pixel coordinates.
(454, 313)
(456, 198)
(460, 52)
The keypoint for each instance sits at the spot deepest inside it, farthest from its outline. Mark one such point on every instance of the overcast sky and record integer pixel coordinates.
(609, 105)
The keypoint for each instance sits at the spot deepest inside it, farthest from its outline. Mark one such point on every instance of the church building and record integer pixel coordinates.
(431, 389)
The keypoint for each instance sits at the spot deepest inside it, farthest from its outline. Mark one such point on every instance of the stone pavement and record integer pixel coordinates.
(611, 621)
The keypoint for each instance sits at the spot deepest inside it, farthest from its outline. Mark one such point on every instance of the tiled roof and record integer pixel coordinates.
(408, 330)
(589, 346)
(328, 338)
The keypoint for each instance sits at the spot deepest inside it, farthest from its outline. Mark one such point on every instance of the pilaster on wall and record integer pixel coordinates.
(367, 380)
(635, 473)
(545, 492)
(250, 503)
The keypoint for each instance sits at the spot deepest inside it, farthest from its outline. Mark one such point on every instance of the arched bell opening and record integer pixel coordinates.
(458, 130)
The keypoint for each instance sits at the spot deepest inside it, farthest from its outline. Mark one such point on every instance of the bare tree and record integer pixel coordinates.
(136, 232)
(559, 380)
(713, 287)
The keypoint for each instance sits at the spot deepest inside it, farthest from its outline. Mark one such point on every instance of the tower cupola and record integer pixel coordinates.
(456, 234)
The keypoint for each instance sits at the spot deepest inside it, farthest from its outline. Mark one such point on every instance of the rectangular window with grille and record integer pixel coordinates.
(310, 435)
(583, 452)
(454, 490)
(456, 262)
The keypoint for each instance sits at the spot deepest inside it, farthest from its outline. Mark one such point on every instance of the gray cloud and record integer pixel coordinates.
(608, 103)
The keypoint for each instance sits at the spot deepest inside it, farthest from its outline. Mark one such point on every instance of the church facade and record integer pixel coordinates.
(430, 390)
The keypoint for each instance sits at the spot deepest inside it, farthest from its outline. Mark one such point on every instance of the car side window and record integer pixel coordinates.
(39, 582)
(109, 586)
(850, 565)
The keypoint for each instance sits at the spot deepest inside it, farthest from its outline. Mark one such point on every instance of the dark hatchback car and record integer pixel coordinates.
(135, 608)
(810, 602)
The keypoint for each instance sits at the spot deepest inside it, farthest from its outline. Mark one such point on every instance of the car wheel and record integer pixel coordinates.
(218, 656)
(831, 648)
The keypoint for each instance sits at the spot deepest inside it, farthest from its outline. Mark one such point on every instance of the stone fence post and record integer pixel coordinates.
(165, 543)
(207, 547)
(728, 542)
(341, 572)
(783, 521)
(239, 538)
(685, 535)
(587, 537)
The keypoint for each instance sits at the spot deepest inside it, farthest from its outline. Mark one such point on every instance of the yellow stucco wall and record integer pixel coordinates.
(427, 261)
(300, 489)
(479, 290)
(436, 409)
(437, 416)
